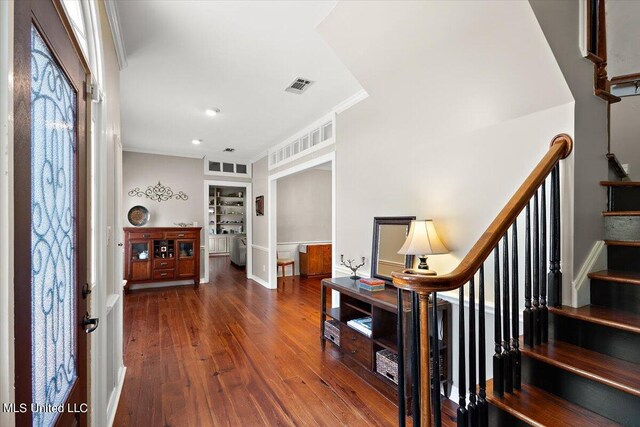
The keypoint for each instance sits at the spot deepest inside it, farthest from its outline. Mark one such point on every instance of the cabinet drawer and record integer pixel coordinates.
(143, 235)
(356, 345)
(180, 234)
(163, 274)
(164, 263)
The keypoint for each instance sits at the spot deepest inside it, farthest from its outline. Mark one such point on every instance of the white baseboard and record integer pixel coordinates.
(112, 406)
(596, 260)
(259, 280)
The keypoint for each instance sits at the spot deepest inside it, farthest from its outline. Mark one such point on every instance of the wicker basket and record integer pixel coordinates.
(387, 364)
(332, 331)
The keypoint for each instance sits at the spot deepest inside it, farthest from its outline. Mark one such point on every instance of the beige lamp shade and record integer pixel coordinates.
(423, 240)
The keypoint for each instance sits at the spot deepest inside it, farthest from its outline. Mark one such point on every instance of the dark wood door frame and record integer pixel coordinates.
(48, 17)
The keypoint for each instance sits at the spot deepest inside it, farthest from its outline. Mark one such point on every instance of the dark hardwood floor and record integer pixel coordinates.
(235, 353)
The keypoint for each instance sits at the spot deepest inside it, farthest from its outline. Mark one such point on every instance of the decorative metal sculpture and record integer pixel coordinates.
(350, 265)
(158, 193)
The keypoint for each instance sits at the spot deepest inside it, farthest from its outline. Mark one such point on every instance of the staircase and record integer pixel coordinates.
(568, 366)
(588, 373)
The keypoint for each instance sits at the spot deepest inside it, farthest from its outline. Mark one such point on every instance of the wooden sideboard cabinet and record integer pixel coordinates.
(316, 260)
(162, 254)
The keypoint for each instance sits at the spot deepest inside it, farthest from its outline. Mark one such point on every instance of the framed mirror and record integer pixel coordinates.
(389, 234)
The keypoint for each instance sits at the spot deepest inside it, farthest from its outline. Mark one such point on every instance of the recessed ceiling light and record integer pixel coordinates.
(196, 141)
(212, 111)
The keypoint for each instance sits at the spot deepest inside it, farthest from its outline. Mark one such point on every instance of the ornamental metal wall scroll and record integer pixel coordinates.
(158, 193)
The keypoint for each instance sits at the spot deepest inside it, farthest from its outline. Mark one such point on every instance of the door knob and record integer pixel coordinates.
(89, 324)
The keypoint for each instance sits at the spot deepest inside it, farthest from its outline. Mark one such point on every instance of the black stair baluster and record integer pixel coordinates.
(498, 366)
(472, 408)
(527, 315)
(506, 323)
(415, 358)
(544, 313)
(515, 308)
(555, 275)
(401, 373)
(462, 405)
(435, 348)
(483, 410)
(536, 272)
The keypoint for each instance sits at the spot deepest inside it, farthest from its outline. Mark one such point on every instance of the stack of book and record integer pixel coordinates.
(362, 325)
(373, 285)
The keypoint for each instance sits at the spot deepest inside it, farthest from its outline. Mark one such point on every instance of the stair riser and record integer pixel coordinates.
(607, 401)
(603, 339)
(623, 258)
(500, 418)
(622, 228)
(621, 296)
(624, 199)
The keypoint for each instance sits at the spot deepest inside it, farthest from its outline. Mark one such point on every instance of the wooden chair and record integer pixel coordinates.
(283, 262)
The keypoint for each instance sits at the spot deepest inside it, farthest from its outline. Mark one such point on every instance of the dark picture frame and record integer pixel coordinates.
(260, 206)
(387, 220)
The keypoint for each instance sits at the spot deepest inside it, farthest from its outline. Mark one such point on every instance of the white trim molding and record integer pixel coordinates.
(116, 31)
(596, 260)
(247, 185)
(112, 406)
(272, 194)
(260, 248)
(304, 142)
(7, 355)
(361, 95)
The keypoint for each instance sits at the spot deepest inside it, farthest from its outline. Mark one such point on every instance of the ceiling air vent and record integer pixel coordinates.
(299, 85)
(229, 150)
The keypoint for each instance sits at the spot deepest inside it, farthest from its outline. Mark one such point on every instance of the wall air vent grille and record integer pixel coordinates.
(313, 138)
(299, 85)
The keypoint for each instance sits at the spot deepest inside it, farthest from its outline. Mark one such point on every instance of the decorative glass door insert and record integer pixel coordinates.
(53, 227)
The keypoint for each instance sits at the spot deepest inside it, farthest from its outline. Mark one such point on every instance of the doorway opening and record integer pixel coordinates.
(302, 221)
(227, 231)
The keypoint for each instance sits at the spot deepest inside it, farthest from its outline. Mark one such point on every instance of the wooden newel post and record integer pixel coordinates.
(425, 350)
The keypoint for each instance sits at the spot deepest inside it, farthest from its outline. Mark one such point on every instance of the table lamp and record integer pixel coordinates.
(422, 241)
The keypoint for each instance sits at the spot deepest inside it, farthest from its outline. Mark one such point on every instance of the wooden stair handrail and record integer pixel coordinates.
(561, 147)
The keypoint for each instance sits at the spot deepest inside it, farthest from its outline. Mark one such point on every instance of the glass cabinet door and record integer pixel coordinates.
(186, 248)
(186, 266)
(139, 262)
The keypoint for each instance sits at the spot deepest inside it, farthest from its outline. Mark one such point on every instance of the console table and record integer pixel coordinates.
(162, 254)
(360, 350)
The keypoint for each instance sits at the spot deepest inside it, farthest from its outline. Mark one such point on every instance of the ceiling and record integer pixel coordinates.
(623, 33)
(186, 56)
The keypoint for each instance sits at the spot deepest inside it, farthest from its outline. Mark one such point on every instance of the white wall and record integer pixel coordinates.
(304, 207)
(625, 133)
(454, 145)
(260, 174)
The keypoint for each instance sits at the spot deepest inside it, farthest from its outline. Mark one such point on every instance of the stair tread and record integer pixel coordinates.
(540, 408)
(616, 373)
(601, 315)
(620, 183)
(622, 243)
(630, 277)
(621, 213)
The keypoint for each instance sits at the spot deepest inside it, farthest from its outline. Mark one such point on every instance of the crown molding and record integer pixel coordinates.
(162, 152)
(116, 31)
(351, 101)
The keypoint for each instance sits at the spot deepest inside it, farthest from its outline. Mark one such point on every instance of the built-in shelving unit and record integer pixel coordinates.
(226, 210)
